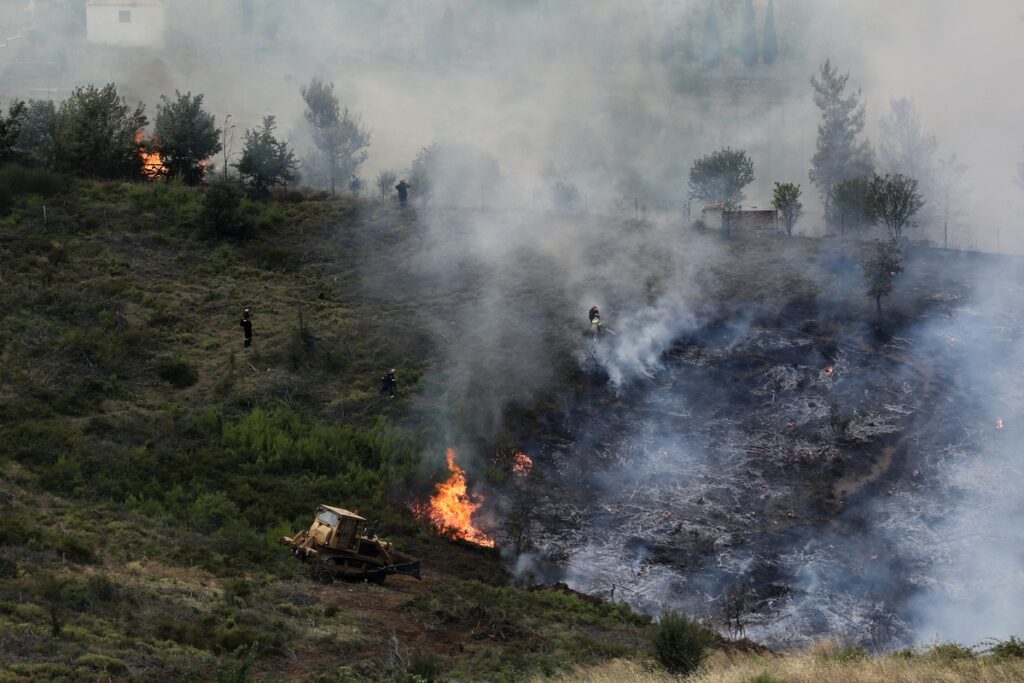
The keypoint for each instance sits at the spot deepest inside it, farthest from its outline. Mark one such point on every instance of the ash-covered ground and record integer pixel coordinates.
(797, 467)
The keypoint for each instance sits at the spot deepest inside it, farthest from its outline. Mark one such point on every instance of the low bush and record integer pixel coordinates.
(222, 213)
(680, 643)
(1011, 648)
(949, 652)
(38, 181)
(765, 678)
(176, 372)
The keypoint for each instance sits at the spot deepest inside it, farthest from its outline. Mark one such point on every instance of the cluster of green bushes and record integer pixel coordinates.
(231, 479)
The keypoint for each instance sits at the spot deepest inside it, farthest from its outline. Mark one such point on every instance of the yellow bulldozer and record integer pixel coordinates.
(338, 546)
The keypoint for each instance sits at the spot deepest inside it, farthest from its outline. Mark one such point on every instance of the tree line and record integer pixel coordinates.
(95, 132)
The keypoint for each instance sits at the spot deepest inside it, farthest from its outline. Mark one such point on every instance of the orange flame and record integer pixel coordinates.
(999, 423)
(829, 370)
(152, 164)
(451, 507)
(521, 464)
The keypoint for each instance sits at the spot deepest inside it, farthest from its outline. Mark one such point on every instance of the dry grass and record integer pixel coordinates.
(813, 668)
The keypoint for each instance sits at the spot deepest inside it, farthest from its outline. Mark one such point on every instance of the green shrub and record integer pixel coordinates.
(177, 372)
(843, 653)
(680, 644)
(949, 652)
(238, 667)
(222, 211)
(212, 510)
(422, 667)
(110, 665)
(39, 181)
(236, 591)
(1011, 648)
(103, 588)
(765, 678)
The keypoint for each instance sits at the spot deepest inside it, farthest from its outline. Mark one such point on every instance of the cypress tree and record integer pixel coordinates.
(771, 41)
(748, 44)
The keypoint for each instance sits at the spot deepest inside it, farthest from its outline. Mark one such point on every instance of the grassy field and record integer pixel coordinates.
(148, 460)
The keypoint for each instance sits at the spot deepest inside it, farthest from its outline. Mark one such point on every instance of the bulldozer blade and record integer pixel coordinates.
(408, 569)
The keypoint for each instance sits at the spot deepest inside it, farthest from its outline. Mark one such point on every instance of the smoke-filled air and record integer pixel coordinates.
(704, 318)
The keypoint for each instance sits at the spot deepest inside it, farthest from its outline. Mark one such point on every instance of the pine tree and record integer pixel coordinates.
(770, 49)
(748, 44)
(838, 155)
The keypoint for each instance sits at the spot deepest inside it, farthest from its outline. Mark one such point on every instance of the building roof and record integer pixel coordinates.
(342, 513)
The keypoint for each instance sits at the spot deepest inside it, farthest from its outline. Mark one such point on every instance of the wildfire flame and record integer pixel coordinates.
(451, 507)
(829, 370)
(999, 423)
(152, 165)
(521, 464)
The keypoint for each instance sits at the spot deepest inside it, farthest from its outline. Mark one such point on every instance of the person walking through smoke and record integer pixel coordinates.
(403, 192)
(246, 324)
(354, 184)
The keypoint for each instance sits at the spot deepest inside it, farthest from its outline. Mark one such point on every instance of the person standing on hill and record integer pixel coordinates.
(246, 324)
(388, 383)
(403, 192)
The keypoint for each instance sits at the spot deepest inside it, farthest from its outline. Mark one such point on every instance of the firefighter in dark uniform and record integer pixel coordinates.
(246, 324)
(388, 383)
(403, 192)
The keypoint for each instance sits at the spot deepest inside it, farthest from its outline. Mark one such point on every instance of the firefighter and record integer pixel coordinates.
(403, 192)
(354, 184)
(246, 324)
(388, 383)
(595, 315)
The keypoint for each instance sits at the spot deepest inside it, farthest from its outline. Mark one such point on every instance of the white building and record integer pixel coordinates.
(126, 23)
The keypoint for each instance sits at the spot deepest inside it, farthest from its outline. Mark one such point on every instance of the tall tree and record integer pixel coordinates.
(99, 134)
(340, 137)
(786, 200)
(838, 155)
(711, 45)
(893, 200)
(266, 161)
(880, 266)
(849, 202)
(10, 129)
(186, 136)
(748, 39)
(38, 131)
(770, 47)
(721, 177)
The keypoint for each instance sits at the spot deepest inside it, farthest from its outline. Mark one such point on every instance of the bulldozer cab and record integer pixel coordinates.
(337, 528)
